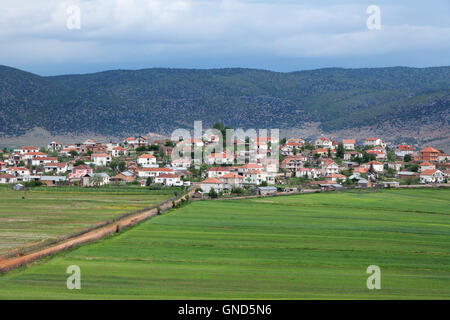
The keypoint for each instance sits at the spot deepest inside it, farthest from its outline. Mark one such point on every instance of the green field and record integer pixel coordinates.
(42, 214)
(315, 246)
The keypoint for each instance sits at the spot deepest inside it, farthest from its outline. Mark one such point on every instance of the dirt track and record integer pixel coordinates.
(90, 236)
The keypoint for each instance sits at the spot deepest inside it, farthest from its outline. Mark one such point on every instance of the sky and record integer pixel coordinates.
(42, 36)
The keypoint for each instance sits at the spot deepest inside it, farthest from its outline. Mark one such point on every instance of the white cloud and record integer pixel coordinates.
(117, 30)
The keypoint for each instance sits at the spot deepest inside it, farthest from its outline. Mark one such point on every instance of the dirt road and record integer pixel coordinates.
(90, 236)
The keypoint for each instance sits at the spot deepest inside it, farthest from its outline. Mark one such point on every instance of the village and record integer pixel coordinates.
(323, 164)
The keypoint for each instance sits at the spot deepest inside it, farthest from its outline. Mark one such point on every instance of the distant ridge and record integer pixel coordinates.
(399, 102)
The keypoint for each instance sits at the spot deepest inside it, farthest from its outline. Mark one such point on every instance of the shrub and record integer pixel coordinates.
(213, 194)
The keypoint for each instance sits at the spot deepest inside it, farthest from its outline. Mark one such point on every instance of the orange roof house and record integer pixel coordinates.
(429, 154)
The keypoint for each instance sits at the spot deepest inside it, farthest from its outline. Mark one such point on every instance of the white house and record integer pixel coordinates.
(28, 149)
(335, 177)
(329, 167)
(255, 177)
(7, 178)
(54, 146)
(217, 172)
(44, 160)
(377, 166)
(443, 157)
(220, 158)
(290, 148)
(33, 155)
(432, 176)
(146, 160)
(348, 155)
(323, 142)
(379, 154)
(250, 167)
(426, 166)
(101, 159)
(212, 183)
(233, 180)
(373, 142)
(181, 163)
(349, 144)
(168, 179)
(55, 167)
(397, 165)
(310, 173)
(118, 151)
(293, 163)
(18, 171)
(403, 149)
(99, 179)
(153, 172)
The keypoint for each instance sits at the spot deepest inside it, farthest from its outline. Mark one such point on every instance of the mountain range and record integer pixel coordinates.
(399, 104)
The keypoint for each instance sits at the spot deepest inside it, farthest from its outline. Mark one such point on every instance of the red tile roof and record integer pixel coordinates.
(167, 175)
(428, 172)
(216, 169)
(429, 149)
(231, 176)
(156, 170)
(212, 181)
(147, 156)
(336, 175)
(252, 166)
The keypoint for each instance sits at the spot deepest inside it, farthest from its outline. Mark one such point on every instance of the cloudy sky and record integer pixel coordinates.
(280, 35)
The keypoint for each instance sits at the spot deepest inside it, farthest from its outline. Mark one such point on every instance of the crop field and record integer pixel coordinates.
(42, 214)
(312, 246)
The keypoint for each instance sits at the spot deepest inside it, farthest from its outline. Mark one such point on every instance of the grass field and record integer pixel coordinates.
(46, 213)
(315, 246)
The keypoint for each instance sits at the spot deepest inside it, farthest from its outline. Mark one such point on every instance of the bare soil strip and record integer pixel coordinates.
(7, 264)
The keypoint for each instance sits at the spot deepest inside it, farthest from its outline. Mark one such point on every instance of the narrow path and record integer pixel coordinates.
(90, 236)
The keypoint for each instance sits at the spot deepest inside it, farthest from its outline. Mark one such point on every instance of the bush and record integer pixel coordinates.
(237, 191)
(213, 194)
(154, 186)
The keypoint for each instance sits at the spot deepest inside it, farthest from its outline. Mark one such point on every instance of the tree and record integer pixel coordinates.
(73, 153)
(169, 144)
(264, 184)
(340, 151)
(141, 149)
(122, 166)
(407, 158)
(212, 193)
(155, 147)
(78, 163)
(368, 157)
(96, 180)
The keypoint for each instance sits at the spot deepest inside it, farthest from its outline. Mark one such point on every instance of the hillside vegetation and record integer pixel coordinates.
(159, 100)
